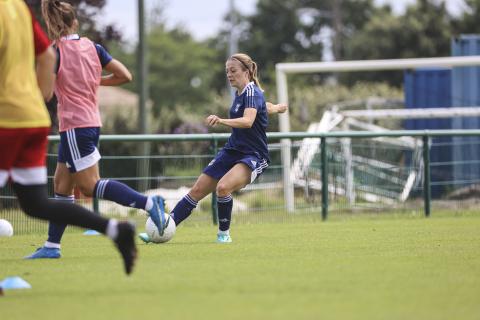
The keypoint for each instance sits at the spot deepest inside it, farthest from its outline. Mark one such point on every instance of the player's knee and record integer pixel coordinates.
(223, 189)
(196, 193)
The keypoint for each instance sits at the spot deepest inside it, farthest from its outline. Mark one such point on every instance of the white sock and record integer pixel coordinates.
(112, 229)
(51, 245)
(149, 204)
(225, 233)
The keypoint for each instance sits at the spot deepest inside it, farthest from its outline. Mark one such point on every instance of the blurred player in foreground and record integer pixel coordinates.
(25, 124)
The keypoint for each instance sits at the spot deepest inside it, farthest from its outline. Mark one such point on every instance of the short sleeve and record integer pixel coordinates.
(253, 99)
(40, 39)
(103, 55)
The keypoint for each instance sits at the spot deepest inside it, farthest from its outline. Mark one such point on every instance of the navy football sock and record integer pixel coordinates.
(183, 209)
(225, 205)
(56, 230)
(120, 193)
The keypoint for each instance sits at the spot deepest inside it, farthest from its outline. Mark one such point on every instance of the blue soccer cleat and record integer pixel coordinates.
(157, 214)
(144, 237)
(223, 238)
(45, 253)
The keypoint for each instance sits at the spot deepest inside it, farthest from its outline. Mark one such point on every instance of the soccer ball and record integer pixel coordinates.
(6, 229)
(168, 233)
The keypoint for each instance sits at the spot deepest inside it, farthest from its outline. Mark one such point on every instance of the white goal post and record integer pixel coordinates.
(283, 69)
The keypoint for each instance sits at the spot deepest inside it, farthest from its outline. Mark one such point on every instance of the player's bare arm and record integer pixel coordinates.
(276, 108)
(242, 123)
(45, 72)
(119, 74)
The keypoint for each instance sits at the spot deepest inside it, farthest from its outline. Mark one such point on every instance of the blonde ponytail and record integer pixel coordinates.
(59, 17)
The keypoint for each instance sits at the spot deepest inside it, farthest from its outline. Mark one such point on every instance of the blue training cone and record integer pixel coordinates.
(91, 233)
(12, 283)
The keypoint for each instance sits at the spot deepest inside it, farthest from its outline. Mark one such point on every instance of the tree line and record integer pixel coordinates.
(186, 77)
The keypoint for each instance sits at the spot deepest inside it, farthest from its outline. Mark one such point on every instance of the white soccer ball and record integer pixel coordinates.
(6, 229)
(168, 233)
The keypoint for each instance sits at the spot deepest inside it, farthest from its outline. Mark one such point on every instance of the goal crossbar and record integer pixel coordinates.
(374, 65)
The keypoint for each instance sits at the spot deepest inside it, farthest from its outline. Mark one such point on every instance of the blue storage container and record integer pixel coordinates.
(465, 93)
(431, 88)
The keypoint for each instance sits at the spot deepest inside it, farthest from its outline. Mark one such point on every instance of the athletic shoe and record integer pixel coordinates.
(125, 243)
(45, 253)
(157, 213)
(144, 237)
(223, 238)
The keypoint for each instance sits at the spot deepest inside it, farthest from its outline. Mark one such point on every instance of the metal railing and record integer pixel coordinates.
(321, 190)
(215, 138)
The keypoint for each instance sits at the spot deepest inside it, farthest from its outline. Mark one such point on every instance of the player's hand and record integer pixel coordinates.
(212, 120)
(282, 107)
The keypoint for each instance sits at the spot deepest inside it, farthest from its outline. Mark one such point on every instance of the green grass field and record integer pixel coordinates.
(351, 267)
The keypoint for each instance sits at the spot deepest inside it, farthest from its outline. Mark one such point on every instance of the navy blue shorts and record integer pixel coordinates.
(78, 148)
(226, 159)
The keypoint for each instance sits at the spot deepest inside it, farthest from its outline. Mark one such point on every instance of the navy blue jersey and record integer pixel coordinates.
(250, 140)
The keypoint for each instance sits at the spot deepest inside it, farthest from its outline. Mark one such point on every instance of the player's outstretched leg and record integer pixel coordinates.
(183, 209)
(34, 202)
(122, 194)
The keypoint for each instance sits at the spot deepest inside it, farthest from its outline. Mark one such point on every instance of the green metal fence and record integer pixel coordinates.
(374, 172)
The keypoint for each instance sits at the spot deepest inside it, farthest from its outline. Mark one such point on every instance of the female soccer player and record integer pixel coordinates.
(79, 74)
(245, 155)
(25, 124)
